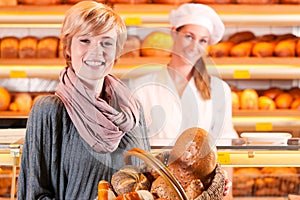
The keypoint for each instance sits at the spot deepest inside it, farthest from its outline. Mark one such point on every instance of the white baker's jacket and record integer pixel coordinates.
(168, 115)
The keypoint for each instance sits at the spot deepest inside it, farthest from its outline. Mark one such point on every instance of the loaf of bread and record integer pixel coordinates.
(243, 49)
(48, 47)
(9, 47)
(40, 2)
(285, 48)
(221, 49)
(257, 1)
(28, 47)
(263, 49)
(241, 36)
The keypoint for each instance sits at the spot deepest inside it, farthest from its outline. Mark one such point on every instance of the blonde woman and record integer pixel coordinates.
(78, 136)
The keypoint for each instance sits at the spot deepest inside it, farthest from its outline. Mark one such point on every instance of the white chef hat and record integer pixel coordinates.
(199, 14)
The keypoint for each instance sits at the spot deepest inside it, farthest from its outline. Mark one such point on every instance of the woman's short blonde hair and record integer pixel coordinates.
(89, 17)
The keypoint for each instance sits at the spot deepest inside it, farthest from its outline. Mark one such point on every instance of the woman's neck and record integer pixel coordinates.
(181, 74)
(94, 85)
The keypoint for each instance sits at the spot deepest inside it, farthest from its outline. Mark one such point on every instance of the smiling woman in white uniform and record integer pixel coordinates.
(183, 94)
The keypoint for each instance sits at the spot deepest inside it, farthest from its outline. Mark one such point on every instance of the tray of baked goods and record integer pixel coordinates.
(266, 181)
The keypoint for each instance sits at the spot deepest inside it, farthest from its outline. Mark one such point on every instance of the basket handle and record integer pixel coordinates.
(160, 168)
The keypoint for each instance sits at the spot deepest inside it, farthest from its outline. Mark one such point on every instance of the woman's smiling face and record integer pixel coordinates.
(190, 42)
(93, 56)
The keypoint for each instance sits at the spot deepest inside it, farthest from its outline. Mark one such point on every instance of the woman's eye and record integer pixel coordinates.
(188, 37)
(106, 44)
(204, 41)
(84, 40)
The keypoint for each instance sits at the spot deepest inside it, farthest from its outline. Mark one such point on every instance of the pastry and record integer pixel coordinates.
(136, 195)
(104, 191)
(9, 47)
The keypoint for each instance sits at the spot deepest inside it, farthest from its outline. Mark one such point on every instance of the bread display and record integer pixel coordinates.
(9, 47)
(266, 181)
(47, 47)
(28, 47)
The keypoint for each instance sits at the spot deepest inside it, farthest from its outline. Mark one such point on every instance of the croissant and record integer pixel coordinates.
(104, 191)
(136, 195)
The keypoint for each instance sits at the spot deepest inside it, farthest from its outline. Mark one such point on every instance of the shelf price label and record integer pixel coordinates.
(17, 74)
(133, 21)
(264, 126)
(241, 74)
(224, 158)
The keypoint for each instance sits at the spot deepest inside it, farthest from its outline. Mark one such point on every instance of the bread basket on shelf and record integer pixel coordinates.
(159, 167)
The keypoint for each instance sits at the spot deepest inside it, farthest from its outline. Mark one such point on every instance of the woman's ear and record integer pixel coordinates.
(173, 32)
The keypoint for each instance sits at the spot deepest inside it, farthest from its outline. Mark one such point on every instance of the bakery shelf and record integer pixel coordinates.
(154, 14)
(231, 14)
(226, 68)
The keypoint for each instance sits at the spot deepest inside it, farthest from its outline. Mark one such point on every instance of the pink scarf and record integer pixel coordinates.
(100, 121)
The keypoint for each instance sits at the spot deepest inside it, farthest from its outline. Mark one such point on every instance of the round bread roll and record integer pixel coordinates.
(128, 180)
(193, 156)
(249, 99)
(295, 92)
(284, 100)
(171, 1)
(266, 103)
(235, 100)
(296, 104)
(272, 92)
(157, 43)
(5, 98)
